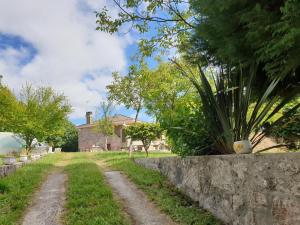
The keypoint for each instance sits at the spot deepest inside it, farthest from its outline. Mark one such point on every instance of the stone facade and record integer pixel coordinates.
(90, 139)
(261, 189)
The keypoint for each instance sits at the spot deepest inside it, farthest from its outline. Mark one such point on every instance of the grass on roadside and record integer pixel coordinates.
(158, 189)
(111, 157)
(17, 189)
(89, 199)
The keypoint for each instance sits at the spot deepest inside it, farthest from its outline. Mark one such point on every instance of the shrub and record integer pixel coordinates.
(289, 131)
(145, 132)
(187, 132)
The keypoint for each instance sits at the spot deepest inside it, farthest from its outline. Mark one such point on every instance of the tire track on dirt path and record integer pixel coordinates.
(136, 203)
(48, 202)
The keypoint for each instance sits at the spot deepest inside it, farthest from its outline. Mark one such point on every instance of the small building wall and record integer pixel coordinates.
(88, 139)
(239, 189)
(5, 170)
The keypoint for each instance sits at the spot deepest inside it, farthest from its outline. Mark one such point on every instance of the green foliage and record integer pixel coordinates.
(289, 128)
(218, 32)
(43, 114)
(127, 89)
(16, 189)
(158, 189)
(89, 198)
(69, 138)
(9, 109)
(105, 126)
(224, 34)
(145, 132)
(239, 31)
(226, 109)
(40, 113)
(175, 105)
(171, 20)
(187, 131)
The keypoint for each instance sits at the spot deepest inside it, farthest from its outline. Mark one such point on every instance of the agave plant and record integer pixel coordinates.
(232, 112)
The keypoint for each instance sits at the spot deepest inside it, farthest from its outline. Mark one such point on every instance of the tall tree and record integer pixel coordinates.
(163, 24)
(105, 125)
(127, 89)
(175, 104)
(238, 31)
(145, 132)
(70, 138)
(9, 110)
(225, 33)
(43, 114)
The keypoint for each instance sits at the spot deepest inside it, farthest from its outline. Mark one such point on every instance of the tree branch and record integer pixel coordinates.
(148, 18)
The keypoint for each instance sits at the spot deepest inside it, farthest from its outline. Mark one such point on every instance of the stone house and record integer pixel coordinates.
(89, 139)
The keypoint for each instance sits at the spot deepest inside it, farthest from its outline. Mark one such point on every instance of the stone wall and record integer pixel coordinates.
(5, 170)
(239, 189)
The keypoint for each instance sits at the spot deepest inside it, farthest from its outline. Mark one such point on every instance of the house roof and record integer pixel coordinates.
(117, 119)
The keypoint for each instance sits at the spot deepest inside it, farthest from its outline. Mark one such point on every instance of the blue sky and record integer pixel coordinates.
(54, 43)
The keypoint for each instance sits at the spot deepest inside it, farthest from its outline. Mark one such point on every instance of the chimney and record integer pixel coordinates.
(1, 76)
(89, 117)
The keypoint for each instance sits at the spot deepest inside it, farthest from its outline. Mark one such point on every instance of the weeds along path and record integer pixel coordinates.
(18, 190)
(147, 195)
(48, 202)
(134, 201)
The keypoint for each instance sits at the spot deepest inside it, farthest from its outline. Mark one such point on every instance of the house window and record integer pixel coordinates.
(108, 147)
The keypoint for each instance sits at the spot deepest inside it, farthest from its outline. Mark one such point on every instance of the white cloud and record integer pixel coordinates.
(68, 48)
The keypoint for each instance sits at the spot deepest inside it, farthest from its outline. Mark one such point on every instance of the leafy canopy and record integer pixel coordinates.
(43, 114)
(127, 89)
(171, 99)
(218, 32)
(170, 19)
(239, 31)
(9, 110)
(145, 132)
(70, 138)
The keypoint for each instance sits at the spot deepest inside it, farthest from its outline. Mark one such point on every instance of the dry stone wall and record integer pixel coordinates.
(5, 170)
(239, 189)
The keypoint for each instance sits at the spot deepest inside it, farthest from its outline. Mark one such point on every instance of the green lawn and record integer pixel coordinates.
(159, 190)
(89, 199)
(17, 189)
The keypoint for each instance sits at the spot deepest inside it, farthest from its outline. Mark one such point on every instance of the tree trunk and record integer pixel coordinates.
(135, 120)
(146, 147)
(28, 145)
(137, 114)
(105, 147)
(146, 150)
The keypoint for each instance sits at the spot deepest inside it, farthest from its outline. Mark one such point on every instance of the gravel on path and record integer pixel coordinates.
(136, 204)
(48, 202)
